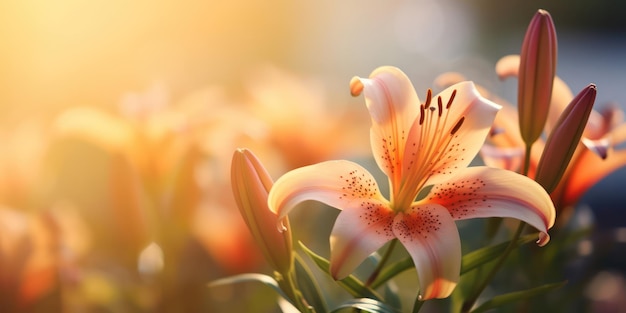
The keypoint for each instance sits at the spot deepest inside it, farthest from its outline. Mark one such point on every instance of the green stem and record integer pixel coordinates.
(418, 304)
(526, 160)
(287, 283)
(469, 303)
(381, 264)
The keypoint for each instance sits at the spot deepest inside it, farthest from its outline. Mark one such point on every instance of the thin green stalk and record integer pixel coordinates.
(418, 304)
(288, 285)
(527, 160)
(469, 303)
(381, 264)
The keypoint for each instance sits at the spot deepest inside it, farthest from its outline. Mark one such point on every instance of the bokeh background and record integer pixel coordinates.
(118, 120)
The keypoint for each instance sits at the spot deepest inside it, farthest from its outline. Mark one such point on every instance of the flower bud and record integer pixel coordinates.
(564, 139)
(536, 75)
(251, 184)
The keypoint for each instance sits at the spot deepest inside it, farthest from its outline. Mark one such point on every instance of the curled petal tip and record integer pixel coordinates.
(543, 240)
(441, 288)
(599, 147)
(356, 86)
(281, 225)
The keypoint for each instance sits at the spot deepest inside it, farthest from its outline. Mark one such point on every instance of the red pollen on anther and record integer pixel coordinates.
(429, 98)
(451, 99)
(439, 105)
(457, 126)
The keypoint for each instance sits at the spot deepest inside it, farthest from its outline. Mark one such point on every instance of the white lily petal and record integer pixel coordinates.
(505, 130)
(393, 105)
(505, 158)
(489, 192)
(357, 233)
(429, 234)
(340, 184)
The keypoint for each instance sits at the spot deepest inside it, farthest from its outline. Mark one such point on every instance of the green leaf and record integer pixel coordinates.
(576, 236)
(308, 286)
(351, 284)
(392, 295)
(251, 277)
(470, 260)
(516, 296)
(481, 256)
(374, 258)
(392, 270)
(365, 304)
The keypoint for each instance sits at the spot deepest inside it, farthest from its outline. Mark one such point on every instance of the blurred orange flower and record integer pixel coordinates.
(29, 269)
(302, 124)
(21, 154)
(153, 175)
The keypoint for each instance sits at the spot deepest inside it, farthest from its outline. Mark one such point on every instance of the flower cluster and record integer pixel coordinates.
(535, 158)
(130, 208)
(266, 195)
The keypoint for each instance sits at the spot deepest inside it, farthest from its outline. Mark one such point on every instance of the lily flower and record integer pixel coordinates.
(417, 145)
(596, 157)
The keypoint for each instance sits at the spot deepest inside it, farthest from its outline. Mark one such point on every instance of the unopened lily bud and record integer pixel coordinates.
(536, 75)
(251, 184)
(564, 139)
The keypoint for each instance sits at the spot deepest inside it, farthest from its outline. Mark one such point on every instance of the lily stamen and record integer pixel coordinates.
(431, 158)
(457, 126)
(429, 98)
(451, 99)
(439, 105)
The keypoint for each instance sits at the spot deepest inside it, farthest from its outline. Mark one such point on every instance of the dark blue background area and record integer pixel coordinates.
(607, 201)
